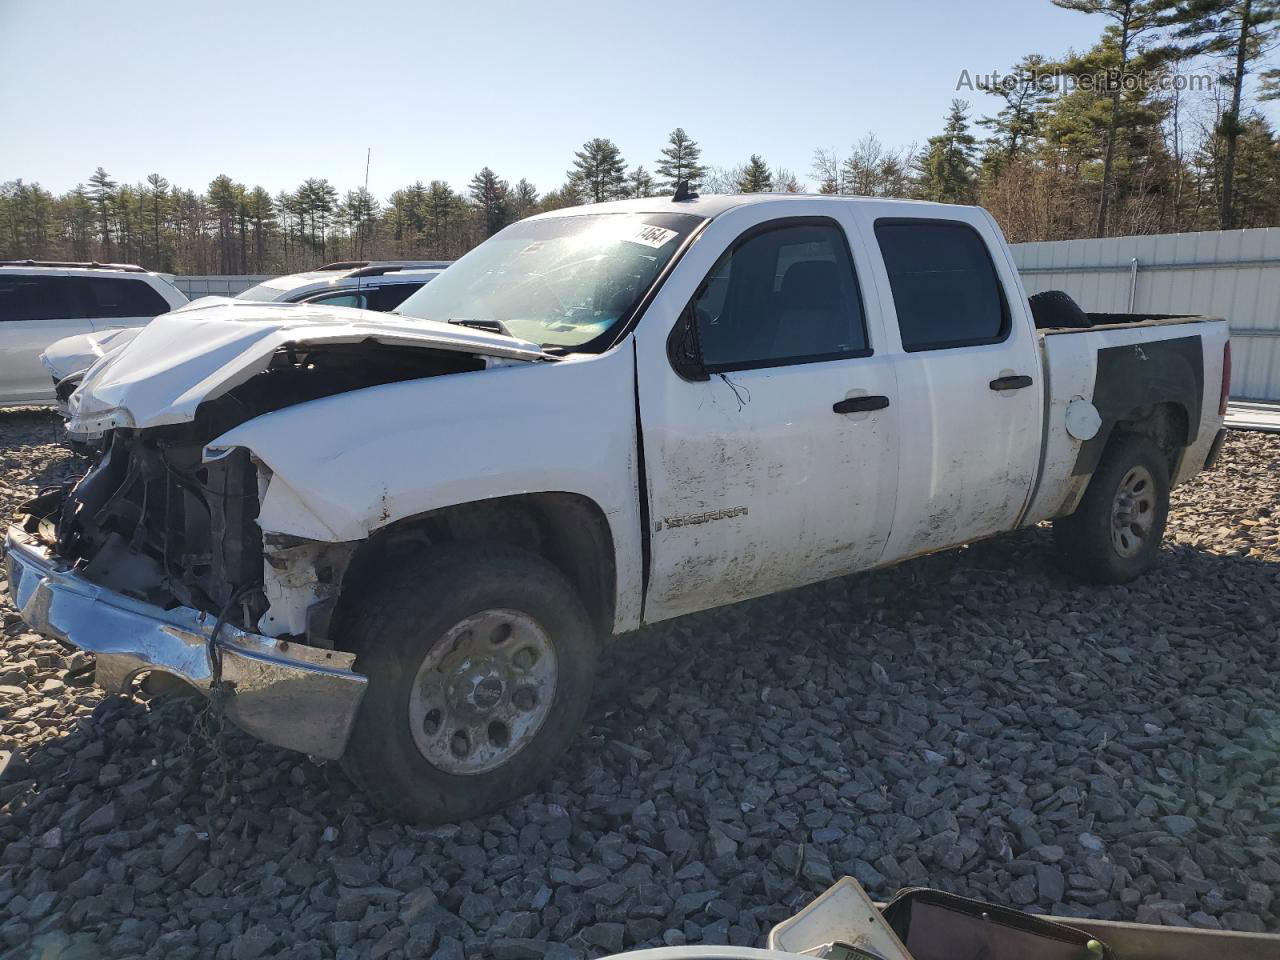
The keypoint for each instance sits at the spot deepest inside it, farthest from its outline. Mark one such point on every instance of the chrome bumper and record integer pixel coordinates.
(295, 696)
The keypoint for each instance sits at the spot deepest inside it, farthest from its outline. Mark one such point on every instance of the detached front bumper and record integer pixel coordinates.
(292, 695)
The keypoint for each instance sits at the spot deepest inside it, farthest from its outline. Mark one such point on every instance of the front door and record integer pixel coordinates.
(35, 310)
(780, 468)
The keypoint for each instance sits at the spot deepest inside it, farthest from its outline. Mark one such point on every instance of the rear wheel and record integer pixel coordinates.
(1115, 533)
(480, 661)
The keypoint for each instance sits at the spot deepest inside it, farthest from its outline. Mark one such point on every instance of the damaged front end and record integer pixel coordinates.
(154, 564)
(154, 561)
(288, 694)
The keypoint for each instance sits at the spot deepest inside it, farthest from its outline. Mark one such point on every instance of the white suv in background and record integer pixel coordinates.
(380, 285)
(43, 301)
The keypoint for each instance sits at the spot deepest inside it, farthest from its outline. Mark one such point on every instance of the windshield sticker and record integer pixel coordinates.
(652, 236)
(534, 247)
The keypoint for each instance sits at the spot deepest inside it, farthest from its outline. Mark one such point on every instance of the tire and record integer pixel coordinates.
(1094, 543)
(1055, 308)
(436, 614)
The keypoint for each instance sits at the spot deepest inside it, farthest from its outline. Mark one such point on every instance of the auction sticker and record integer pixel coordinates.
(652, 236)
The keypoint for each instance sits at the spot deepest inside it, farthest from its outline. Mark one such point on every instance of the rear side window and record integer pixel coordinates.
(37, 298)
(351, 299)
(392, 295)
(786, 294)
(108, 297)
(944, 284)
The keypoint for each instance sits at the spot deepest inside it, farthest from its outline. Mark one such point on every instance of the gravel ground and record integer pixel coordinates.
(975, 720)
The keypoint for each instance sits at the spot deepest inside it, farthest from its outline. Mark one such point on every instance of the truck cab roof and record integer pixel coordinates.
(713, 205)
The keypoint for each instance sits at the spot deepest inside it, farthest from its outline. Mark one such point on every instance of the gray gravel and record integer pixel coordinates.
(976, 721)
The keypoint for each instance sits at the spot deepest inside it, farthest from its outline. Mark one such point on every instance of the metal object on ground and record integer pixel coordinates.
(1263, 417)
(843, 913)
(483, 691)
(288, 694)
(1130, 941)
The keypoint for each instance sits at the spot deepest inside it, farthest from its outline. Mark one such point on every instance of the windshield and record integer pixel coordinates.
(561, 282)
(263, 291)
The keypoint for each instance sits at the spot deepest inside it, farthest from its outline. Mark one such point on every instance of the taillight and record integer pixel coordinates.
(1226, 379)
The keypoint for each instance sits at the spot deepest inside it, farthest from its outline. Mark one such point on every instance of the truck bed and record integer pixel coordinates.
(1129, 320)
(1097, 376)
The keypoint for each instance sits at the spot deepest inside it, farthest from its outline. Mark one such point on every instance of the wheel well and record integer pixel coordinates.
(568, 530)
(1167, 424)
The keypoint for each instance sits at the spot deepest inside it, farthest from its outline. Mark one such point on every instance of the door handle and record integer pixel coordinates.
(860, 404)
(1011, 383)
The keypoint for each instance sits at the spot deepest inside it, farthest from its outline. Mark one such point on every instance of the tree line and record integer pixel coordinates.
(1162, 140)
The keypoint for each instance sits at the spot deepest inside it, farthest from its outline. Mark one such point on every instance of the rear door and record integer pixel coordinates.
(35, 310)
(780, 468)
(968, 371)
(114, 302)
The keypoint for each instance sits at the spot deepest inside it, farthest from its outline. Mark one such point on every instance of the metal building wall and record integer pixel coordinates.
(1233, 274)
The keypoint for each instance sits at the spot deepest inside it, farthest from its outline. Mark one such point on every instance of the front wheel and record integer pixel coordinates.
(480, 661)
(1115, 533)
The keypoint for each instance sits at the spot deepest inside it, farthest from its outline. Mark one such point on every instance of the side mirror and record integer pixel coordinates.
(683, 348)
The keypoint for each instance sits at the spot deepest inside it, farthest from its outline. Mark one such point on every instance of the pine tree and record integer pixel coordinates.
(78, 218)
(1016, 124)
(679, 161)
(359, 212)
(1241, 31)
(406, 217)
(524, 199)
(318, 199)
(157, 205)
(491, 196)
(103, 194)
(947, 165)
(127, 211)
(1254, 194)
(262, 215)
(1131, 19)
(639, 183)
(569, 195)
(442, 208)
(755, 177)
(222, 197)
(598, 171)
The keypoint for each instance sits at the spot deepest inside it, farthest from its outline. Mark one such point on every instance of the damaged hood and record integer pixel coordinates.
(70, 355)
(201, 351)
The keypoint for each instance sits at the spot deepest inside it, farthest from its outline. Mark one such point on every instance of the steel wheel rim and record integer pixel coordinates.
(482, 693)
(1133, 512)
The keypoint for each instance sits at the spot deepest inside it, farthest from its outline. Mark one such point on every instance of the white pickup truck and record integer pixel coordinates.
(400, 539)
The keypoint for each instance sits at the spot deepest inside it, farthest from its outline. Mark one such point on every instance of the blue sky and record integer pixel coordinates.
(272, 92)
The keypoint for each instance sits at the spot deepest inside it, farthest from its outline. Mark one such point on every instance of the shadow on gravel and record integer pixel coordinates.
(975, 720)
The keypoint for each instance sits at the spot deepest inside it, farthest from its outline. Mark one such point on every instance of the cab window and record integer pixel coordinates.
(781, 295)
(945, 288)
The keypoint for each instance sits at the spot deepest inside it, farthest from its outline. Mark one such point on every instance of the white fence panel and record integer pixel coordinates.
(213, 286)
(1233, 274)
